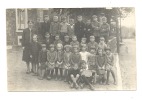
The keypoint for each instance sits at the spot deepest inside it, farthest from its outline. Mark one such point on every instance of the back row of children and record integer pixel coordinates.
(71, 61)
(80, 29)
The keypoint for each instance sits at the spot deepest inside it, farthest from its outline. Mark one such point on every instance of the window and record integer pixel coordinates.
(21, 19)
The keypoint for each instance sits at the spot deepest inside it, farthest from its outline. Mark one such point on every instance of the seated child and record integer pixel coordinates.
(101, 61)
(86, 76)
(59, 62)
(92, 44)
(110, 65)
(35, 49)
(92, 64)
(51, 61)
(42, 62)
(67, 66)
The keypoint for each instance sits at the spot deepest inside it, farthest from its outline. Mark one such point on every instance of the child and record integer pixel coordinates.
(84, 54)
(101, 61)
(86, 76)
(110, 65)
(75, 69)
(67, 66)
(79, 28)
(51, 61)
(96, 28)
(66, 40)
(71, 27)
(83, 41)
(92, 64)
(74, 41)
(92, 43)
(54, 27)
(102, 44)
(59, 62)
(42, 62)
(64, 28)
(57, 40)
(35, 49)
(104, 29)
(88, 29)
(48, 41)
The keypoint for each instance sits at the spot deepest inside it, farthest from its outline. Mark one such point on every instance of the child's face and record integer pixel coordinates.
(88, 22)
(71, 22)
(100, 52)
(92, 39)
(75, 50)
(107, 51)
(57, 38)
(74, 39)
(67, 49)
(79, 19)
(30, 24)
(83, 48)
(46, 18)
(92, 51)
(83, 40)
(47, 36)
(66, 39)
(43, 48)
(64, 20)
(55, 19)
(102, 41)
(95, 19)
(35, 38)
(52, 48)
(59, 48)
(84, 65)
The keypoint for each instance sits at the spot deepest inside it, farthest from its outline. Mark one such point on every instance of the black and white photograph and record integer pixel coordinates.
(71, 49)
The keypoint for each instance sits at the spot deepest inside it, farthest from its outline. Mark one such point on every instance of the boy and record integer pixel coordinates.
(66, 40)
(96, 28)
(57, 40)
(104, 29)
(42, 62)
(59, 62)
(45, 26)
(84, 54)
(92, 64)
(67, 65)
(71, 27)
(83, 41)
(101, 61)
(110, 65)
(63, 28)
(75, 67)
(79, 28)
(35, 49)
(102, 44)
(48, 41)
(54, 27)
(88, 29)
(74, 41)
(51, 59)
(92, 43)
(86, 76)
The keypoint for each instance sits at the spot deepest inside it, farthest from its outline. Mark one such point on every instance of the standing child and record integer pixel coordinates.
(35, 49)
(63, 28)
(67, 65)
(110, 65)
(101, 61)
(51, 60)
(75, 67)
(88, 29)
(59, 63)
(66, 40)
(54, 27)
(92, 64)
(92, 43)
(42, 62)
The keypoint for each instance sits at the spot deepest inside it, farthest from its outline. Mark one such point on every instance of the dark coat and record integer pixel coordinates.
(45, 27)
(88, 31)
(79, 29)
(26, 43)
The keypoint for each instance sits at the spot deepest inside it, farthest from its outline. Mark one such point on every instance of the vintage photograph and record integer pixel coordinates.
(71, 49)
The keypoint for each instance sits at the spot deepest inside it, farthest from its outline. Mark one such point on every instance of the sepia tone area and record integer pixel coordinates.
(121, 42)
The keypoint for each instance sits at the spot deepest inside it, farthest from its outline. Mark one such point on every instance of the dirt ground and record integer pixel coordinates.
(18, 80)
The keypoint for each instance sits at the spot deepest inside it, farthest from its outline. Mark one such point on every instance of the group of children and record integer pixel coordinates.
(67, 59)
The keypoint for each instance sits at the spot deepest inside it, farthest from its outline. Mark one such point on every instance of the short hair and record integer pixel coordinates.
(79, 16)
(51, 45)
(92, 36)
(43, 45)
(30, 21)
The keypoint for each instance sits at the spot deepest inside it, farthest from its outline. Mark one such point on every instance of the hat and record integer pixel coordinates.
(94, 16)
(43, 45)
(51, 45)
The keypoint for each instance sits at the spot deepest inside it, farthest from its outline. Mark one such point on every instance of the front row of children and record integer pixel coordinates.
(76, 67)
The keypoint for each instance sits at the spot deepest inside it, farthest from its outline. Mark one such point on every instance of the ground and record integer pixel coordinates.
(18, 80)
